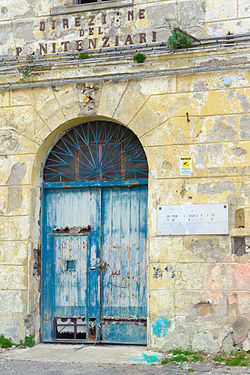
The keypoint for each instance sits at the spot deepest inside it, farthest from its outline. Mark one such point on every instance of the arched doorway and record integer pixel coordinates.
(94, 237)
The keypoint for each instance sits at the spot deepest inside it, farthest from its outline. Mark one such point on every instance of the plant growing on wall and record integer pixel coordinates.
(25, 73)
(8, 343)
(139, 58)
(83, 56)
(178, 40)
(28, 342)
(4, 89)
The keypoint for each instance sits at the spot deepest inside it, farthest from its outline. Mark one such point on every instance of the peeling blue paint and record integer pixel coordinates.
(151, 358)
(160, 327)
(73, 282)
(145, 359)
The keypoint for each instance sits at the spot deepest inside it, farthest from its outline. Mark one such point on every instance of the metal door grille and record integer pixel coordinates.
(96, 151)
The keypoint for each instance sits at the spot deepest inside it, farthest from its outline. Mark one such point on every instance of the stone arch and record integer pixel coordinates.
(58, 112)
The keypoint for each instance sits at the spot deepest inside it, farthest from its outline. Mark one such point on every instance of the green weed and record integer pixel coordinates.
(26, 72)
(234, 359)
(28, 342)
(164, 361)
(180, 351)
(233, 362)
(218, 359)
(139, 58)
(177, 40)
(4, 89)
(179, 358)
(8, 343)
(83, 56)
(196, 358)
(45, 69)
(5, 343)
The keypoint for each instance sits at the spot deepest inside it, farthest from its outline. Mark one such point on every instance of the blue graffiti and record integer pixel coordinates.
(160, 327)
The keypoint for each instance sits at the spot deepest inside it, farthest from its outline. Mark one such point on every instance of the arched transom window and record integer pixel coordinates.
(96, 151)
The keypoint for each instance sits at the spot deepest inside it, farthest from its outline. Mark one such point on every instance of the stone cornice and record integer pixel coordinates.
(63, 69)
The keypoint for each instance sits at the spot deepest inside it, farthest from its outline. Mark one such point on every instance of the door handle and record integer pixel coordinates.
(92, 268)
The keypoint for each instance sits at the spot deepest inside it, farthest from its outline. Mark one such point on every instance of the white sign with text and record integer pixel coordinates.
(192, 219)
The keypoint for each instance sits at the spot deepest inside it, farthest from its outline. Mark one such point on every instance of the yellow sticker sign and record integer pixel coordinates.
(185, 166)
(185, 163)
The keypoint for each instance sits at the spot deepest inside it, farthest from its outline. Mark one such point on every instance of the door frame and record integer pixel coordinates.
(88, 184)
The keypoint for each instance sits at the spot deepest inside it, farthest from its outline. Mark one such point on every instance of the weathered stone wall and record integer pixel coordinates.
(195, 282)
(198, 285)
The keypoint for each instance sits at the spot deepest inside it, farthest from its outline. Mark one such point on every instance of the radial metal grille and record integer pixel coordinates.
(96, 151)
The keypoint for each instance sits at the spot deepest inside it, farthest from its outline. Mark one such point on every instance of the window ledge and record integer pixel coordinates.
(90, 6)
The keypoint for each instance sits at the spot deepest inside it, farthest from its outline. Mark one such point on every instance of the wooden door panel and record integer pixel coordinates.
(94, 283)
(70, 293)
(124, 230)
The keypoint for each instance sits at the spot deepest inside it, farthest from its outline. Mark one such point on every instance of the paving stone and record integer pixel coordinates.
(14, 367)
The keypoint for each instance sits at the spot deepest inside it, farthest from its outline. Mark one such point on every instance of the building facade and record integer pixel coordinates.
(124, 185)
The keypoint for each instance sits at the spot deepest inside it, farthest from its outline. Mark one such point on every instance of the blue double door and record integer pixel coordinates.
(94, 264)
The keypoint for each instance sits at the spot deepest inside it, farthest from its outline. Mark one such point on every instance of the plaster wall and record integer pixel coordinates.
(195, 282)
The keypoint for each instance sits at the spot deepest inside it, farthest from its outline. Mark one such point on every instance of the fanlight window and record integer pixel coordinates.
(96, 151)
